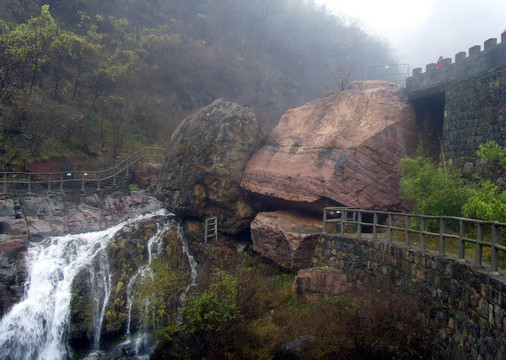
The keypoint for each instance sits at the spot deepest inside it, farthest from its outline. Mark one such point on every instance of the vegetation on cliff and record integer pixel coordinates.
(243, 308)
(438, 189)
(103, 78)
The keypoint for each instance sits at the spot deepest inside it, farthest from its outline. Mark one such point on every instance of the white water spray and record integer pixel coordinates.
(37, 327)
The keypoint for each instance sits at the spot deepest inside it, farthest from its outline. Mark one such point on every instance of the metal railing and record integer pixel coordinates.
(435, 232)
(66, 180)
(211, 229)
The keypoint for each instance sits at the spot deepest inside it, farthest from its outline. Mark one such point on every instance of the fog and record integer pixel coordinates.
(420, 32)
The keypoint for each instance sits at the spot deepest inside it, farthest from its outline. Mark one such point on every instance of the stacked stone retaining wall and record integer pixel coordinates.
(475, 112)
(465, 304)
(473, 89)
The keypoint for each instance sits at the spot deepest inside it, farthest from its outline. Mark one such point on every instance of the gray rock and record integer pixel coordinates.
(204, 164)
(294, 350)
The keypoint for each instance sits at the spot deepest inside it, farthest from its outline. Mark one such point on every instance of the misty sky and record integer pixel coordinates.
(421, 31)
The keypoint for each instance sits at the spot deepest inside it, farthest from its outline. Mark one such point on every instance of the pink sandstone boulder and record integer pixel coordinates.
(315, 282)
(287, 238)
(343, 149)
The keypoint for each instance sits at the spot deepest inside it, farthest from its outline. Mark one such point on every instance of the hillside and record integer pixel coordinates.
(94, 78)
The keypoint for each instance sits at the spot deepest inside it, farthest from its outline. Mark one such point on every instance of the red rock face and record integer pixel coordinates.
(287, 238)
(341, 149)
(146, 175)
(315, 282)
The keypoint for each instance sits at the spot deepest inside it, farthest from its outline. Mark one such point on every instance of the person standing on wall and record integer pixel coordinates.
(439, 62)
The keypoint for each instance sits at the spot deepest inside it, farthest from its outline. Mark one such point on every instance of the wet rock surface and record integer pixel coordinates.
(341, 149)
(33, 217)
(315, 282)
(287, 238)
(204, 164)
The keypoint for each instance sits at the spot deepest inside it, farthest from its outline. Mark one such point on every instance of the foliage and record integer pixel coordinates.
(486, 202)
(214, 310)
(245, 310)
(440, 191)
(433, 191)
(158, 295)
(164, 59)
(492, 152)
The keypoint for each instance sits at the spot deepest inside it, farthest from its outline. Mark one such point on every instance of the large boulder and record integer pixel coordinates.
(204, 163)
(343, 149)
(287, 238)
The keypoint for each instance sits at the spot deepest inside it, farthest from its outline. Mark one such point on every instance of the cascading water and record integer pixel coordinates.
(37, 327)
(192, 283)
(101, 289)
(154, 244)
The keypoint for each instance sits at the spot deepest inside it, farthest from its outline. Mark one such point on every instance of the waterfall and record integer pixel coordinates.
(37, 327)
(193, 274)
(154, 244)
(101, 289)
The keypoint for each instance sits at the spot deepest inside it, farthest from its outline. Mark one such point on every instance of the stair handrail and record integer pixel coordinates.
(83, 177)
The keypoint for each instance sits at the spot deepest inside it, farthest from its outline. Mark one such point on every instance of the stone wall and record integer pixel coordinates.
(473, 90)
(475, 112)
(465, 305)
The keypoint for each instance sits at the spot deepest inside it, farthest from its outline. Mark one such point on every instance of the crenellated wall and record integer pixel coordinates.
(471, 101)
(465, 305)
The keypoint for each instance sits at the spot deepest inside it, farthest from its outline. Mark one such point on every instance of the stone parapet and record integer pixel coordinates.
(420, 84)
(465, 306)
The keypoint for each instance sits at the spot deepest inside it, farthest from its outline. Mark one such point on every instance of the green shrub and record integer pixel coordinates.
(492, 153)
(486, 202)
(433, 191)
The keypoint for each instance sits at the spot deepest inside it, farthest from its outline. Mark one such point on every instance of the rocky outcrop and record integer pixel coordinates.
(146, 175)
(315, 282)
(287, 238)
(127, 252)
(202, 170)
(342, 149)
(32, 218)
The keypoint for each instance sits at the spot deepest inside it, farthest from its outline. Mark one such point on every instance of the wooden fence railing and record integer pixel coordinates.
(444, 234)
(61, 181)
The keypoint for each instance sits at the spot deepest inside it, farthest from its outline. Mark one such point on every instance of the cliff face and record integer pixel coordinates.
(341, 149)
(204, 163)
(32, 218)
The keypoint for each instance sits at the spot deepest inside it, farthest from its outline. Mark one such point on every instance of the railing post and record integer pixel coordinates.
(422, 233)
(479, 240)
(5, 183)
(98, 184)
(374, 226)
(494, 259)
(324, 231)
(213, 223)
(442, 239)
(344, 216)
(61, 182)
(408, 227)
(462, 233)
(29, 183)
(359, 224)
(49, 183)
(390, 232)
(82, 182)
